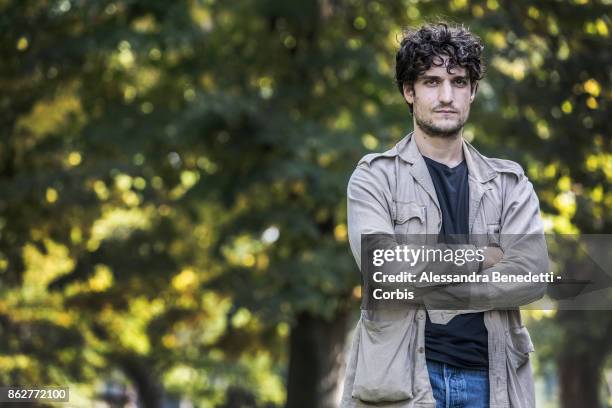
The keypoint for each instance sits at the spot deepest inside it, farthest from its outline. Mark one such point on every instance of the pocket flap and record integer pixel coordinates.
(519, 345)
(493, 228)
(493, 234)
(521, 339)
(406, 211)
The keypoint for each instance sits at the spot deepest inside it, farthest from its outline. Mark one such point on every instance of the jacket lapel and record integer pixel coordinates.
(410, 153)
(479, 173)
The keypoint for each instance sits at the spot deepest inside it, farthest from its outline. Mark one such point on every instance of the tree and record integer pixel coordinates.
(174, 178)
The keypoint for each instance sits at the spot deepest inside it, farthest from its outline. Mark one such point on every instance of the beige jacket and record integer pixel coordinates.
(392, 193)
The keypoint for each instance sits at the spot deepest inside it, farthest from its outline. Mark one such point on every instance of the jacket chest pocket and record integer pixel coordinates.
(489, 219)
(493, 234)
(410, 218)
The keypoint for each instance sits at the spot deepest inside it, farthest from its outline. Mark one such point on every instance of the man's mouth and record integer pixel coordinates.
(445, 111)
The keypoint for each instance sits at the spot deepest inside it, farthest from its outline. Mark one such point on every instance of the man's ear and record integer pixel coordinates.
(474, 90)
(408, 93)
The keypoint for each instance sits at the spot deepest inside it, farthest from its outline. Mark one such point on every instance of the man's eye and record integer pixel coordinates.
(430, 82)
(461, 82)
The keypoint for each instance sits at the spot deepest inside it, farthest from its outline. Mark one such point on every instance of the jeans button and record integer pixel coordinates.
(421, 350)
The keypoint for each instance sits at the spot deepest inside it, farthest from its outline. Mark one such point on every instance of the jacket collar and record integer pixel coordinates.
(477, 164)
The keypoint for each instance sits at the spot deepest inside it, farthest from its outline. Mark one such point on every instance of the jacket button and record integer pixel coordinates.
(421, 350)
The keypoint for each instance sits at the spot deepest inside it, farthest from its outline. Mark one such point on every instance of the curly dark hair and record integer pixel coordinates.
(419, 47)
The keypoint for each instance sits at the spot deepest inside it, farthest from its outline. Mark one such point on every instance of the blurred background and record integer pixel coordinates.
(173, 186)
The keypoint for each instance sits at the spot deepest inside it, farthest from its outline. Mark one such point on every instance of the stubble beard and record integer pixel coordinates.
(430, 128)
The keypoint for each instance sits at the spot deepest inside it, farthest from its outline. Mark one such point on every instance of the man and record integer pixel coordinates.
(434, 182)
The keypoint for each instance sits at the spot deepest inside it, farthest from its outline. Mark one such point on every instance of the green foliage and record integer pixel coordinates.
(173, 174)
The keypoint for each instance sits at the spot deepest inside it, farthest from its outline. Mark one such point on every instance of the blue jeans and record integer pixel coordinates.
(455, 387)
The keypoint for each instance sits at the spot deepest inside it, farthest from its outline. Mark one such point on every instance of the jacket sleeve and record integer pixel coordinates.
(525, 252)
(369, 206)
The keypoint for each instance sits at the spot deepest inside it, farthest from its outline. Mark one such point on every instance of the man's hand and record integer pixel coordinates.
(492, 256)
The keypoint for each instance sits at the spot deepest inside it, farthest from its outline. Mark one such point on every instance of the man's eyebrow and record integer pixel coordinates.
(426, 77)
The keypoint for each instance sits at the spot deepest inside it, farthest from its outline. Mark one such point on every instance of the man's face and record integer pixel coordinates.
(441, 101)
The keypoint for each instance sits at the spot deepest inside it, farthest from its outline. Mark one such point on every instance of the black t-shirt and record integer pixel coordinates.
(462, 342)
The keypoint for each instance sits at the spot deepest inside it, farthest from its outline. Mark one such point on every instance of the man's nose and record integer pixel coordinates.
(445, 95)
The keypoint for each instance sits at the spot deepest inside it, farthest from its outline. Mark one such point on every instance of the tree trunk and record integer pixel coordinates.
(579, 376)
(149, 388)
(316, 361)
(585, 346)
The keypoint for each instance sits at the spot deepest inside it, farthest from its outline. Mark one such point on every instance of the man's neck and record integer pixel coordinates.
(445, 150)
